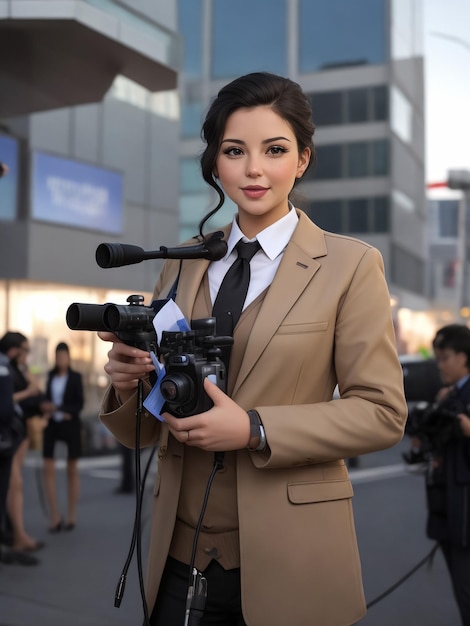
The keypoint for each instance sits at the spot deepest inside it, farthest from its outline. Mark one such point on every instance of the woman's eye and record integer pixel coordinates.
(233, 151)
(277, 150)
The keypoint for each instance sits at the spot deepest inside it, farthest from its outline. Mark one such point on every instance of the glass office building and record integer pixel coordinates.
(361, 65)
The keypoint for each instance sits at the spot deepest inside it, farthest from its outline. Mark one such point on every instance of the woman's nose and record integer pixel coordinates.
(254, 168)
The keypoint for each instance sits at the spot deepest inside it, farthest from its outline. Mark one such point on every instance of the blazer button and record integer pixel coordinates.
(212, 552)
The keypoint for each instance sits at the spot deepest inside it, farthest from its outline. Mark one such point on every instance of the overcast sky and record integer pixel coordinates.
(447, 83)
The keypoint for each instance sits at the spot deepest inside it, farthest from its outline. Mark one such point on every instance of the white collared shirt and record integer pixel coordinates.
(264, 264)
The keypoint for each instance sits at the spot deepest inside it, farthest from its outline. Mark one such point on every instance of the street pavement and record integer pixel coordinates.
(75, 582)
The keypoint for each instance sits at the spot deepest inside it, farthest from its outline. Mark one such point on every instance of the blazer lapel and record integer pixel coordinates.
(298, 266)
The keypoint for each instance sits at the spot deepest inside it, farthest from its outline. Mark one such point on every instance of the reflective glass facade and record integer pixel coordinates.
(352, 216)
(190, 17)
(350, 106)
(248, 36)
(342, 33)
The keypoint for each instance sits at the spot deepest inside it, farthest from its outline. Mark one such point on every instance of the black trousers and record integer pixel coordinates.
(223, 604)
(458, 564)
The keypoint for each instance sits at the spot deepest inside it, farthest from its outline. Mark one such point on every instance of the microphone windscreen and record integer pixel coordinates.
(118, 254)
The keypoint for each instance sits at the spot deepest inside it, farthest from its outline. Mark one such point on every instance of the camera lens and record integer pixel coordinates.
(177, 388)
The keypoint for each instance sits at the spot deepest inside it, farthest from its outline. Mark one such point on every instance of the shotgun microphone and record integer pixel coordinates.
(119, 254)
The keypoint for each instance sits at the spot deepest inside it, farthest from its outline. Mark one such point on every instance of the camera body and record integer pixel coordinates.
(190, 357)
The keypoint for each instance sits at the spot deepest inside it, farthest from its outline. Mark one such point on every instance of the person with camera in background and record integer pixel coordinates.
(442, 432)
(277, 543)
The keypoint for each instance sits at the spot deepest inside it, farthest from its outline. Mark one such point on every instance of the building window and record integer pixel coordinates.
(328, 214)
(448, 211)
(380, 103)
(359, 159)
(359, 29)
(352, 215)
(329, 163)
(401, 115)
(380, 157)
(358, 109)
(239, 28)
(380, 214)
(350, 106)
(358, 216)
(190, 26)
(327, 108)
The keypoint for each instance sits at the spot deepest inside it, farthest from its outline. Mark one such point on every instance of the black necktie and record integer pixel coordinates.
(229, 302)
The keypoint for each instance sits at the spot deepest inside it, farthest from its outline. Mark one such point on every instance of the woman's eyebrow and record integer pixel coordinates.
(241, 142)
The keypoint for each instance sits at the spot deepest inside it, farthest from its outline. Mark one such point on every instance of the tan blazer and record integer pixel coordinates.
(325, 320)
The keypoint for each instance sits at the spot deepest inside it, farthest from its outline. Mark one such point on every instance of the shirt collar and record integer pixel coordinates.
(460, 383)
(272, 239)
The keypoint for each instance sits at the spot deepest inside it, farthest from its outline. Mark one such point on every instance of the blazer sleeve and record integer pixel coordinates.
(371, 413)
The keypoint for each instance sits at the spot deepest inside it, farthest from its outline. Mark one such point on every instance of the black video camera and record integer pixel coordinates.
(190, 356)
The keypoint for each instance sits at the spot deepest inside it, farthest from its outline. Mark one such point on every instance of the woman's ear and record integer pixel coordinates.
(304, 160)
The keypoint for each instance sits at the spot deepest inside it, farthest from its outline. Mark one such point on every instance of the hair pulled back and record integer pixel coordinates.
(283, 95)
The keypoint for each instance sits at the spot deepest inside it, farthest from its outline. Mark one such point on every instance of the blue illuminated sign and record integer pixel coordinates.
(76, 194)
(9, 182)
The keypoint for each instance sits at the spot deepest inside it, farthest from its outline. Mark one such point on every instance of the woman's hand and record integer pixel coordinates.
(225, 426)
(125, 365)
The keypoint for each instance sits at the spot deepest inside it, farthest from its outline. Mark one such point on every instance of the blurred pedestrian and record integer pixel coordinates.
(65, 390)
(32, 401)
(277, 543)
(448, 475)
(12, 432)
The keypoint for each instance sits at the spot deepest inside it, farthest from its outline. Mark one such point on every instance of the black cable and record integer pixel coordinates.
(197, 584)
(429, 558)
(136, 532)
(218, 465)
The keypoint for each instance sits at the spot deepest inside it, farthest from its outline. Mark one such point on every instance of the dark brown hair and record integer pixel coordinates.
(283, 95)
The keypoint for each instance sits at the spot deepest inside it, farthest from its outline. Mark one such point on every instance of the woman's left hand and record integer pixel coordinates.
(225, 426)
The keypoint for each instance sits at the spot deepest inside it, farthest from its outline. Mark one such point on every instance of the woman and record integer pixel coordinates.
(65, 390)
(32, 402)
(277, 544)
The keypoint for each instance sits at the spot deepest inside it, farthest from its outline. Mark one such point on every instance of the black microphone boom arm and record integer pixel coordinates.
(119, 254)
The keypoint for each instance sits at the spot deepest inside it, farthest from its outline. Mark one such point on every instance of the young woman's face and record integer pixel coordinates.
(62, 359)
(257, 165)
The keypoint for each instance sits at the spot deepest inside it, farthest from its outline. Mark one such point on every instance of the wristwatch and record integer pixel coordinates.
(256, 431)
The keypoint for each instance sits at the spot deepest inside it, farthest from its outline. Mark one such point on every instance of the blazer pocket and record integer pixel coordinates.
(311, 327)
(304, 493)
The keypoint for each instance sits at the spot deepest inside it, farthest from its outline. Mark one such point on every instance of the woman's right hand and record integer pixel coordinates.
(125, 365)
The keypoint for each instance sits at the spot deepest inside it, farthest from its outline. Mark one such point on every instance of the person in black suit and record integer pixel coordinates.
(65, 390)
(448, 478)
